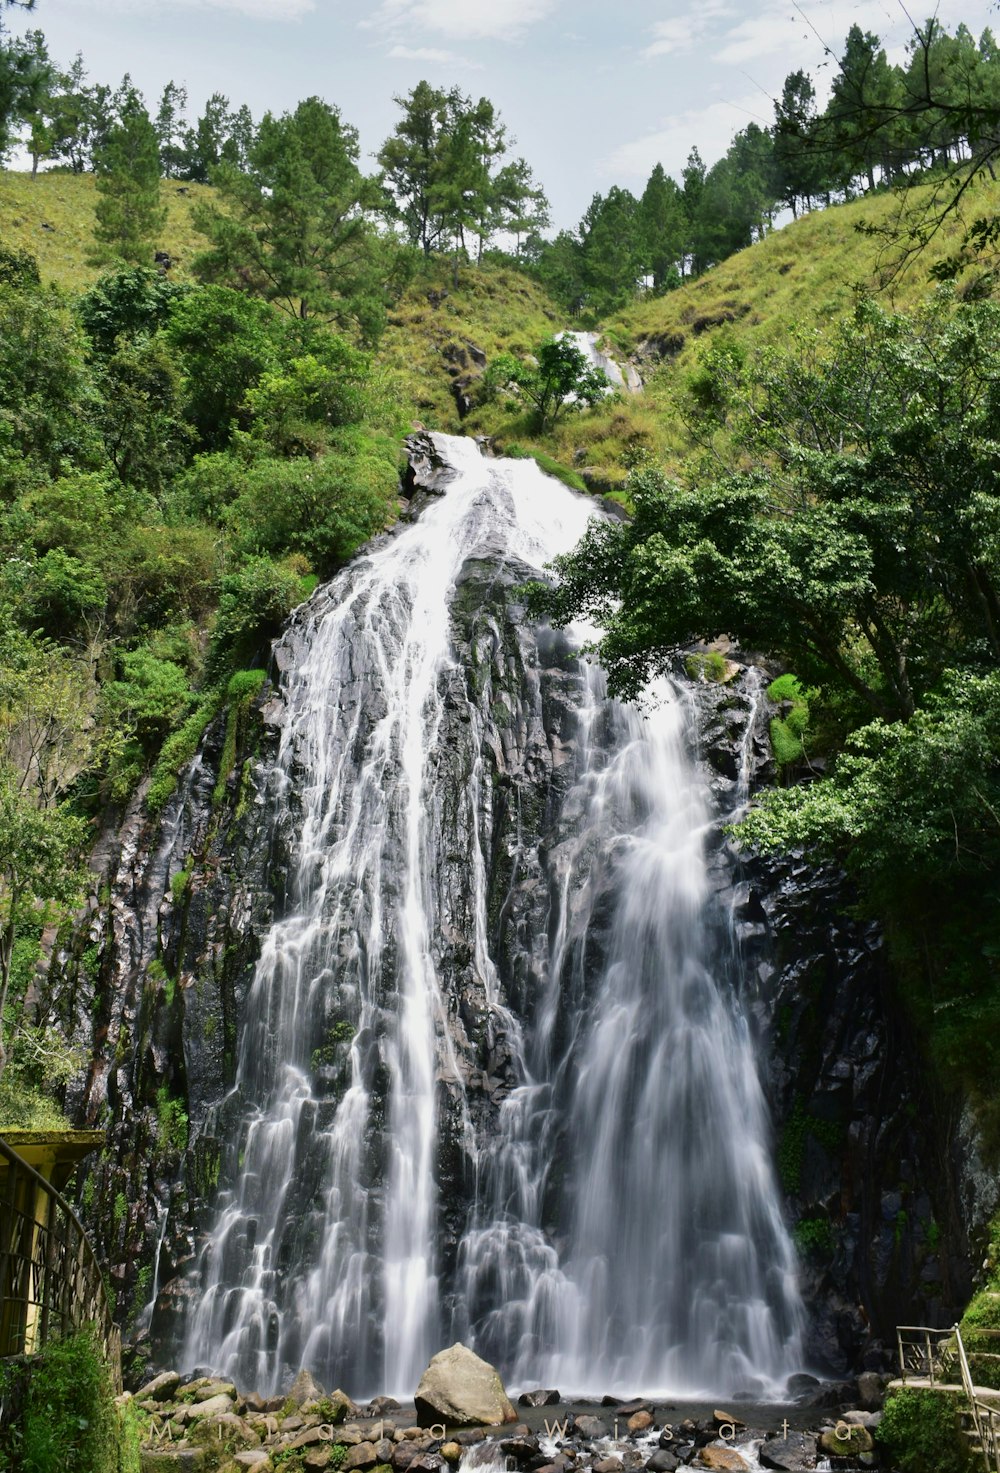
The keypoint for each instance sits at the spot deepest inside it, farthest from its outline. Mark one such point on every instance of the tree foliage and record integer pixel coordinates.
(130, 212)
(296, 226)
(560, 379)
(864, 548)
(449, 175)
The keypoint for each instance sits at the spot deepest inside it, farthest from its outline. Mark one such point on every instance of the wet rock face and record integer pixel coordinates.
(870, 1159)
(151, 983)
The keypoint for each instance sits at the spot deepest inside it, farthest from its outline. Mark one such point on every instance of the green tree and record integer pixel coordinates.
(130, 304)
(36, 108)
(295, 225)
(411, 161)
(865, 92)
(225, 343)
(560, 379)
(129, 212)
(76, 116)
(611, 249)
(204, 144)
(19, 79)
(448, 176)
(663, 229)
(170, 130)
(44, 385)
(44, 745)
(864, 547)
(799, 163)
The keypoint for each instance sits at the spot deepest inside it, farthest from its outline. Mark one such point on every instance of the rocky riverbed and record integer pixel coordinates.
(206, 1425)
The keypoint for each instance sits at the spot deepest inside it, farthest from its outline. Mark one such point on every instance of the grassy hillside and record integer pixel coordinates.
(53, 218)
(438, 332)
(805, 273)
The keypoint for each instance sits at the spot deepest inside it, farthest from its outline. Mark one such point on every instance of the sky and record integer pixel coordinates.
(595, 92)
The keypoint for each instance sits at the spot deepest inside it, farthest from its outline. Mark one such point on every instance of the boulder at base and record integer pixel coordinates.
(461, 1390)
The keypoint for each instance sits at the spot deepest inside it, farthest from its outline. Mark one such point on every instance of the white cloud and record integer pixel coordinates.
(684, 32)
(259, 9)
(463, 20)
(276, 10)
(433, 55)
(710, 128)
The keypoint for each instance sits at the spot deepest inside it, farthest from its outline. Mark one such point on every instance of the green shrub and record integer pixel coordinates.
(70, 1420)
(788, 732)
(254, 601)
(171, 1120)
(920, 1433)
(814, 1237)
(178, 750)
(325, 508)
(711, 667)
(246, 685)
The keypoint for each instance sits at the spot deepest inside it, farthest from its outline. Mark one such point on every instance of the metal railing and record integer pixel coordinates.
(926, 1354)
(50, 1281)
(935, 1356)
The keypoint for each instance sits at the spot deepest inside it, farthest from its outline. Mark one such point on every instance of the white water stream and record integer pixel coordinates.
(622, 1228)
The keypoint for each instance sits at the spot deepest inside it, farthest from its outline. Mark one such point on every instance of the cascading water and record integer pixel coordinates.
(493, 1077)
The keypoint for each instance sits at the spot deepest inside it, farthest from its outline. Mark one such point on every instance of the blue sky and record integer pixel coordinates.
(595, 91)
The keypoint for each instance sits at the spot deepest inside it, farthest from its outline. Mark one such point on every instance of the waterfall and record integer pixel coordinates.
(494, 1079)
(618, 377)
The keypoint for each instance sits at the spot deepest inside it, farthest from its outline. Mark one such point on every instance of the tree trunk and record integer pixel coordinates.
(6, 957)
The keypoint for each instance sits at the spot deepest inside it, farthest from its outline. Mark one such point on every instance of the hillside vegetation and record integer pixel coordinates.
(52, 217)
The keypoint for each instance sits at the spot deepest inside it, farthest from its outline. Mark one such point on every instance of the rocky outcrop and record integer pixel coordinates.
(459, 1389)
(870, 1154)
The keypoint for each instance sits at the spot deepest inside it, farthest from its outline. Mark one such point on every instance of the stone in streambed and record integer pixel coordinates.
(538, 1398)
(640, 1421)
(795, 1453)
(590, 1428)
(213, 1406)
(663, 1461)
(304, 1389)
(522, 1448)
(180, 1460)
(608, 1465)
(462, 1390)
(361, 1457)
(846, 1442)
(161, 1388)
(721, 1460)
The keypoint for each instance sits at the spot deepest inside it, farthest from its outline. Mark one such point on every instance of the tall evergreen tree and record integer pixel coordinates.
(798, 172)
(129, 212)
(170, 129)
(411, 160)
(22, 79)
(864, 95)
(295, 225)
(662, 229)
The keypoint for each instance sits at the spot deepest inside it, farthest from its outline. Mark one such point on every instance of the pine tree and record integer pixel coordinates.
(129, 212)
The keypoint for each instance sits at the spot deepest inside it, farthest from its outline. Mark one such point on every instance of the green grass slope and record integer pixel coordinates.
(439, 331)
(807, 273)
(53, 218)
